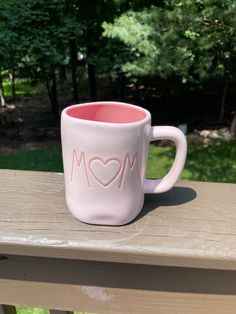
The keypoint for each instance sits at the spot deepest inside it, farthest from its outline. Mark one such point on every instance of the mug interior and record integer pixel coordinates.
(107, 112)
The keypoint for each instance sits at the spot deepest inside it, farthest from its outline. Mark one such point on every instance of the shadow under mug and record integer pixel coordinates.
(105, 151)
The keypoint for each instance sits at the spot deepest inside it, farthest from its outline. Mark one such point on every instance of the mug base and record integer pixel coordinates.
(104, 218)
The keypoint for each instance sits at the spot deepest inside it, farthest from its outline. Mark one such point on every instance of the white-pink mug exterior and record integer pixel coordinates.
(105, 150)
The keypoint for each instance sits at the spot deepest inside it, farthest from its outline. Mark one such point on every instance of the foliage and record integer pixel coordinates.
(41, 32)
(213, 163)
(23, 87)
(193, 40)
(172, 40)
(36, 36)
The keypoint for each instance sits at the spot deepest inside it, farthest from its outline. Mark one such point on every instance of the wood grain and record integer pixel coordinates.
(193, 225)
(118, 301)
(105, 287)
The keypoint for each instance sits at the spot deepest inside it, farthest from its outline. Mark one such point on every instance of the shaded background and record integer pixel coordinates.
(175, 58)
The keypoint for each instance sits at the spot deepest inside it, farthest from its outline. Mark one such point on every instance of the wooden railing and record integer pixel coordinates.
(178, 256)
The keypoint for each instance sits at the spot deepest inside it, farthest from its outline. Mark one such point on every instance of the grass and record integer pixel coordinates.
(214, 163)
(22, 87)
(24, 310)
(28, 310)
(41, 159)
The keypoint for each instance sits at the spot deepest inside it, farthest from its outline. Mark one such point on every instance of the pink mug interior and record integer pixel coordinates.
(107, 112)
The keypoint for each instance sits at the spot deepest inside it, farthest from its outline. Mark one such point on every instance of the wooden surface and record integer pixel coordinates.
(104, 287)
(178, 256)
(193, 225)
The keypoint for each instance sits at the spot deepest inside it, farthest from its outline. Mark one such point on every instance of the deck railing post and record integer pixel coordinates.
(7, 309)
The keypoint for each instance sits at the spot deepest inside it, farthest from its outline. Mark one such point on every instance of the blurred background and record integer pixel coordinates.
(175, 58)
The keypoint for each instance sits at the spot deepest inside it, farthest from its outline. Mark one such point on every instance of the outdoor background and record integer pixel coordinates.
(175, 58)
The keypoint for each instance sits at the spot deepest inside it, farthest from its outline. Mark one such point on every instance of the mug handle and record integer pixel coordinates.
(168, 181)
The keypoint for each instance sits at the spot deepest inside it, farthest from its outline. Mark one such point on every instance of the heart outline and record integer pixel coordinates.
(104, 163)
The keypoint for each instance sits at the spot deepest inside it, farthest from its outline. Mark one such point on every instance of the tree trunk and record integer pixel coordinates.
(2, 97)
(51, 85)
(167, 100)
(92, 82)
(73, 56)
(233, 127)
(13, 85)
(122, 86)
(222, 105)
(91, 70)
(62, 76)
(54, 97)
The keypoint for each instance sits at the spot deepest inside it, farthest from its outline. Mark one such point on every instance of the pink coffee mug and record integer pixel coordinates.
(105, 150)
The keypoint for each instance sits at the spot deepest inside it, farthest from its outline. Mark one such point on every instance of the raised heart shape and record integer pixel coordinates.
(105, 172)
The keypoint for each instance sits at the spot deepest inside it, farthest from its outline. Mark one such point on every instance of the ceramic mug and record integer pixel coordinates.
(105, 150)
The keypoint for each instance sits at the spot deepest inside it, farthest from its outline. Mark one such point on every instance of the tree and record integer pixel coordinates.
(10, 47)
(192, 40)
(41, 31)
(48, 30)
(92, 14)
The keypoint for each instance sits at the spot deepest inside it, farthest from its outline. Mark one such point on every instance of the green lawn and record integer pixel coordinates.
(214, 163)
(42, 159)
(24, 310)
(22, 87)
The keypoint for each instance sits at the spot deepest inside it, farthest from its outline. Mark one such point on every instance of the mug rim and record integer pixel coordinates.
(101, 123)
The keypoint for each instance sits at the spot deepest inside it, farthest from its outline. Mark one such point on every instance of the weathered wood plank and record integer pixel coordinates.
(102, 287)
(123, 301)
(193, 225)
